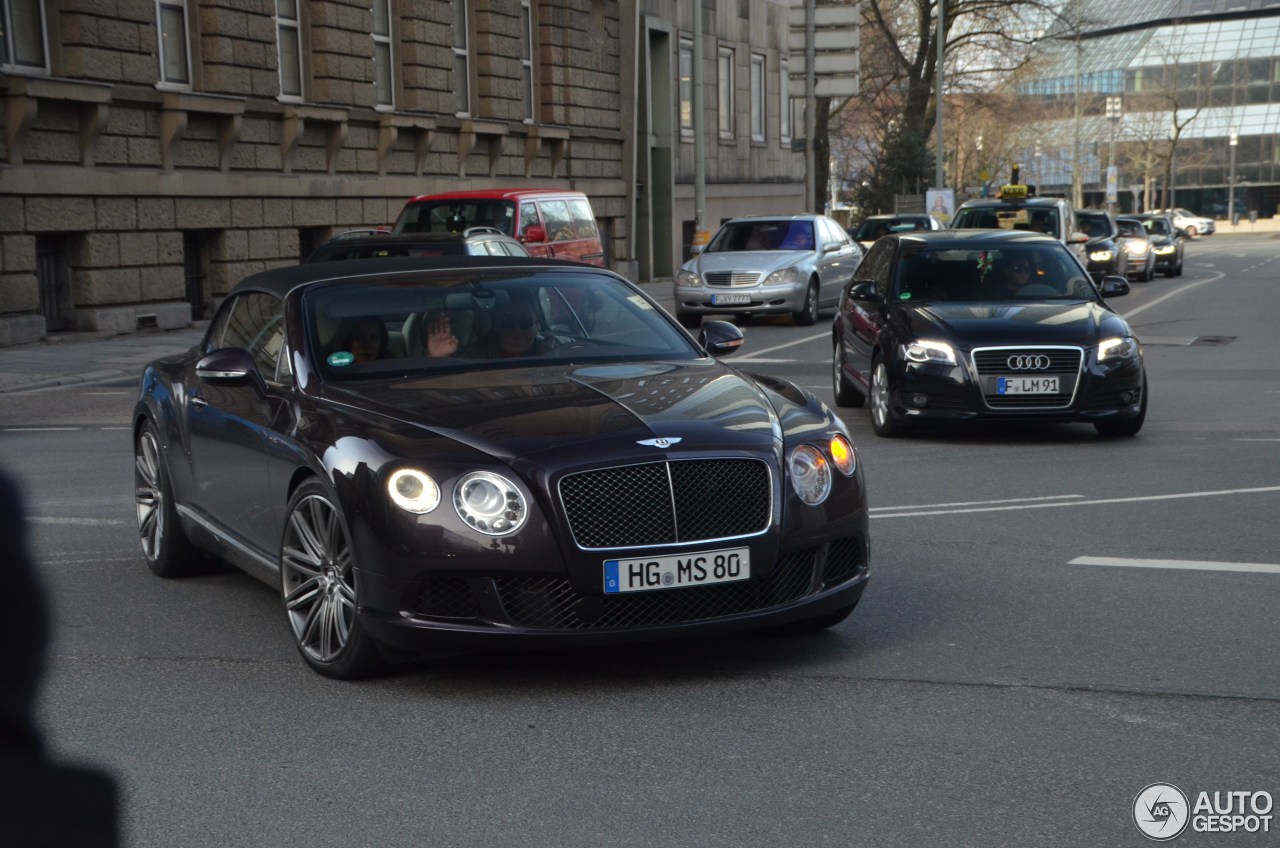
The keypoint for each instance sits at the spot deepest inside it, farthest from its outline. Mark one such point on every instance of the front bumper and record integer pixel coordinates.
(952, 394)
(757, 299)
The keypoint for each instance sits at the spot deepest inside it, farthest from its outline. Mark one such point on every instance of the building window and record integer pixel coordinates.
(686, 87)
(725, 81)
(289, 41)
(383, 81)
(195, 271)
(461, 58)
(526, 57)
(175, 62)
(23, 39)
(784, 99)
(53, 280)
(757, 97)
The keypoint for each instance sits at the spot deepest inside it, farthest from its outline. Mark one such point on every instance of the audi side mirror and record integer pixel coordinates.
(1114, 286)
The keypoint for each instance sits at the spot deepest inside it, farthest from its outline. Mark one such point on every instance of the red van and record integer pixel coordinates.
(549, 222)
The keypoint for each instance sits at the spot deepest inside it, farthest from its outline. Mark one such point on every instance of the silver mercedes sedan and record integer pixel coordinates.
(780, 264)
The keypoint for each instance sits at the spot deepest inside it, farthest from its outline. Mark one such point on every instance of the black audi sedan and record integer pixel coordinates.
(425, 455)
(985, 325)
(1106, 253)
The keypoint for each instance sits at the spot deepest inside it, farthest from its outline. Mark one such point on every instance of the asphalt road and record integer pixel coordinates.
(1011, 678)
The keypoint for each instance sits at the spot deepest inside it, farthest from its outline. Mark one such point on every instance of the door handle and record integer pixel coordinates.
(198, 402)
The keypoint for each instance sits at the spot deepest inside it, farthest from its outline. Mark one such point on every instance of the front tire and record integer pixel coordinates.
(164, 544)
(808, 314)
(1129, 426)
(882, 420)
(846, 393)
(320, 590)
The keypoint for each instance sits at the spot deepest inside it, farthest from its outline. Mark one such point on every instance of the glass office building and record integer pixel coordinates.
(1211, 66)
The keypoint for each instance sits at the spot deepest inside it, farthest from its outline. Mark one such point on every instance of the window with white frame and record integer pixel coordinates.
(686, 87)
(757, 97)
(383, 79)
(175, 61)
(725, 99)
(23, 41)
(526, 57)
(784, 99)
(461, 58)
(289, 42)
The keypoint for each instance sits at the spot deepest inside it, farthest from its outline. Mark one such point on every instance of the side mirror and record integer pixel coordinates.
(231, 366)
(863, 290)
(1114, 286)
(534, 234)
(1077, 238)
(1180, 232)
(831, 247)
(720, 338)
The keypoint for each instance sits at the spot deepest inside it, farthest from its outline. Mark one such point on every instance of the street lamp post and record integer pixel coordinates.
(1114, 105)
(1231, 182)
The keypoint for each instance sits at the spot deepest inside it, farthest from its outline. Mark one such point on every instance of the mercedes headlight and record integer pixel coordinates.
(810, 474)
(1121, 347)
(1139, 248)
(490, 503)
(785, 277)
(939, 353)
(413, 491)
(1100, 255)
(687, 278)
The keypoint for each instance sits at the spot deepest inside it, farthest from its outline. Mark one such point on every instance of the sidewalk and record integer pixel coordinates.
(88, 358)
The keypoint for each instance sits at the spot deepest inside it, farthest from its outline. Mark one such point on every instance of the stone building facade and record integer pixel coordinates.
(155, 152)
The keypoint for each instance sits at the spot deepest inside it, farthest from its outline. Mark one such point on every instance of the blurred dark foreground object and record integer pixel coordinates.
(43, 804)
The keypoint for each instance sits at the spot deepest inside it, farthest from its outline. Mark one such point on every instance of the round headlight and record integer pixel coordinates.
(687, 278)
(490, 503)
(842, 455)
(810, 474)
(413, 491)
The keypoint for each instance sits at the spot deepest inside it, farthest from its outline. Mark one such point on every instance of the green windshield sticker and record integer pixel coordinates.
(341, 358)
(904, 296)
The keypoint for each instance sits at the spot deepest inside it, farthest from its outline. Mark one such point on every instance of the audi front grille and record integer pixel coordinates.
(667, 503)
(991, 363)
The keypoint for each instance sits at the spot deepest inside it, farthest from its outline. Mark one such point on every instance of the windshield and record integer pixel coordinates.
(1157, 225)
(762, 235)
(1044, 271)
(455, 216)
(1007, 217)
(404, 324)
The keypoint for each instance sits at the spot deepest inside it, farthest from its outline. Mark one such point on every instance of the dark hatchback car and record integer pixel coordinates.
(582, 486)
(369, 244)
(1168, 243)
(985, 326)
(1106, 254)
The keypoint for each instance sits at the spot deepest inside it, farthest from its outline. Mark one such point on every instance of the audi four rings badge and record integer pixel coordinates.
(1038, 362)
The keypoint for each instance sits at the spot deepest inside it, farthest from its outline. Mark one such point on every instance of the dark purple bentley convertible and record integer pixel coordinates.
(434, 454)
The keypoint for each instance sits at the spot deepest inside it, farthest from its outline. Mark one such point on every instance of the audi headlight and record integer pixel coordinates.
(1100, 256)
(842, 455)
(1121, 347)
(784, 277)
(413, 491)
(929, 351)
(490, 503)
(810, 474)
(1165, 249)
(687, 278)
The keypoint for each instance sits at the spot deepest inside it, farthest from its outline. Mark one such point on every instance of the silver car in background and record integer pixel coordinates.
(781, 264)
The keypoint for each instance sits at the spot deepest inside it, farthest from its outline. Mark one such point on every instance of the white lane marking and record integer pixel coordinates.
(974, 503)
(1185, 564)
(1255, 440)
(1259, 490)
(87, 522)
(805, 340)
(1217, 275)
(40, 429)
(759, 361)
(94, 561)
(117, 392)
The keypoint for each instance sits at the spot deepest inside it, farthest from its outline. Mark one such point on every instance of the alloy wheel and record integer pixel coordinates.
(880, 396)
(318, 580)
(148, 495)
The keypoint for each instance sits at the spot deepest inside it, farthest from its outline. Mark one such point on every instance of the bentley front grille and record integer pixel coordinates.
(667, 503)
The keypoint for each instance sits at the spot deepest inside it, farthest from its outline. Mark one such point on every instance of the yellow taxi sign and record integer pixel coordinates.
(1013, 191)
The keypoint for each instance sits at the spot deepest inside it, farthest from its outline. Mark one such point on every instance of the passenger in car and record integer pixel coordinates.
(515, 333)
(367, 340)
